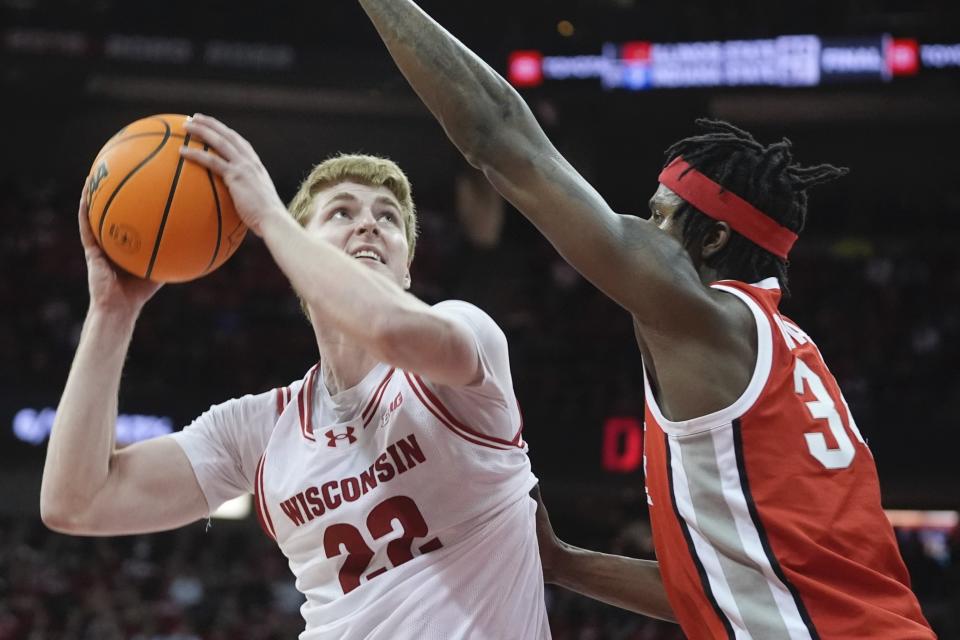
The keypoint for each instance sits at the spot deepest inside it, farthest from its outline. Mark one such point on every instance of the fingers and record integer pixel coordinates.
(232, 136)
(86, 232)
(227, 142)
(206, 159)
(214, 139)
(83, 194)
(231, 147)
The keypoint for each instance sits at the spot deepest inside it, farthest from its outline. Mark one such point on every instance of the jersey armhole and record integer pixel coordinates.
(750, 395)
(435, 405)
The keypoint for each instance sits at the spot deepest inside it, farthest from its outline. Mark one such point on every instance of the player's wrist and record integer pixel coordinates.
(278, 220)
(112, 316)
(557, 561)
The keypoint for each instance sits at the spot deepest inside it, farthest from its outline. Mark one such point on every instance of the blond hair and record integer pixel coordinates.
(371, 171)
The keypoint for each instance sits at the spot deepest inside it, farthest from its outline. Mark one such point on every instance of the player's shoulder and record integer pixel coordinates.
(269, 401)
(465, 310)
(462, 306)
(479, 321)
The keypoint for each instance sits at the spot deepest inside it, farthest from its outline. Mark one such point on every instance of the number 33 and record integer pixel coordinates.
(823, 408)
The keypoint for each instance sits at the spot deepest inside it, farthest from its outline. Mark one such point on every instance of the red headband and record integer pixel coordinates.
(726, 206)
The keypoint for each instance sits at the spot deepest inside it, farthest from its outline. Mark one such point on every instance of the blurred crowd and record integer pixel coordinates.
(884, 312)
(227, 580)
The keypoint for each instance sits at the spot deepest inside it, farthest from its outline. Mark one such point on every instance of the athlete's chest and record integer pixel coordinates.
(324, 464)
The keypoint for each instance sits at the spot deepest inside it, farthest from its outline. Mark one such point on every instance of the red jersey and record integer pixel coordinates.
(766, 515)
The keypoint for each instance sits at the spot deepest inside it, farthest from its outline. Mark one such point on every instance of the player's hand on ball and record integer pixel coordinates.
(254, 195)
(111, 288)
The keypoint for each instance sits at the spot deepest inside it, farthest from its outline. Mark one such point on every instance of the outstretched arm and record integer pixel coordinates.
(623, 582)
(633, 262)
(89, 486)
(371, 309)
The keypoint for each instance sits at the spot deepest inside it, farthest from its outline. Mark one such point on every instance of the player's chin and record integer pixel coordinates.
(376, 265)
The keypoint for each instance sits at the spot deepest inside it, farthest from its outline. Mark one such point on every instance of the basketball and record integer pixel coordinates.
(155, 214)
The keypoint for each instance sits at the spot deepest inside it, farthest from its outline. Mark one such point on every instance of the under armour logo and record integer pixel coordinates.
(333, 439)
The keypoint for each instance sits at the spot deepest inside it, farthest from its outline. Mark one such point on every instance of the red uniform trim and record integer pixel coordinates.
(422, 395)
(374, 403)
(449, 416)
(518, 437)
(305, 405)
(263, 514)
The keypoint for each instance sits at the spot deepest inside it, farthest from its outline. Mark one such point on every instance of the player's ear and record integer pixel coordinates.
(715, 240)
(407, 281)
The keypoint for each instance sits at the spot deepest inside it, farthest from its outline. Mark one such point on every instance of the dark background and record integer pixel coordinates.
(875, 277)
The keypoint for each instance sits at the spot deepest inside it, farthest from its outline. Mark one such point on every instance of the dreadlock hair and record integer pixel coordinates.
(764, 176)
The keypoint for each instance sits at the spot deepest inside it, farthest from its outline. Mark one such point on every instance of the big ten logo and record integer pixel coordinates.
(396, 402)
(394, 405)
(622, 444)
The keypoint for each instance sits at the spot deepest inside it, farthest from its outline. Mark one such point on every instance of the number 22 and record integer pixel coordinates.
(345, 537)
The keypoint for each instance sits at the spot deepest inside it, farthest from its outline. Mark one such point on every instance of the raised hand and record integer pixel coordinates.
(254, 195)
(111, 288)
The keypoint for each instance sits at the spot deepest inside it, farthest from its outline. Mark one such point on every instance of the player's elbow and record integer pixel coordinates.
(509, 131)
(64, 510)
(429, 345)
(390, 336)
(60, 516)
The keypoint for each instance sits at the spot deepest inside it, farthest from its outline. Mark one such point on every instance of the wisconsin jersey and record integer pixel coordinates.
(766, 515)
(401, 505)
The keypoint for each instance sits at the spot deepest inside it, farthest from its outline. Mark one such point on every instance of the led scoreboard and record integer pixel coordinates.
(784, 61)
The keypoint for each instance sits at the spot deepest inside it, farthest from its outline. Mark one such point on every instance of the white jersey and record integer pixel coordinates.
(401, 505)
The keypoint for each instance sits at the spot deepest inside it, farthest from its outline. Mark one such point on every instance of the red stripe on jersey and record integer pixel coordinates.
(263, 515)
(305, 405)
(417, 391)
(374, 403)
(280, 397)
(518, 436)
(477, 434)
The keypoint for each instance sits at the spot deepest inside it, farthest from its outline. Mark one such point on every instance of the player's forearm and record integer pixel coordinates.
(477, 108)
(343, 295)
(82, 439)
(623, 582)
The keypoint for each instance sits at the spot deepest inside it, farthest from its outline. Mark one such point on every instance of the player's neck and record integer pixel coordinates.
(343, 363)
(708, 275)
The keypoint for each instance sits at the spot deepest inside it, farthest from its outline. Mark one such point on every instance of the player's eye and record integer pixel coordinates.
(340, 214)
(389, 216)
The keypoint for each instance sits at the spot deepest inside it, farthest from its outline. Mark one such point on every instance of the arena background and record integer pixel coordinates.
(875, 277)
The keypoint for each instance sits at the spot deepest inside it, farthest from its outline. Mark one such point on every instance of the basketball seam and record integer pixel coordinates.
(216, 200)
(166, 211)
(106, 207)
(134, 136)
(116, 143)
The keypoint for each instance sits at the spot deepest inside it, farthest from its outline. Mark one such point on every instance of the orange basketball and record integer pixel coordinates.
(155, 214)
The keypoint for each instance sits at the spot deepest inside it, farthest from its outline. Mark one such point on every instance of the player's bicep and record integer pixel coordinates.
(431, 344)
(151, 487)
(635, 263)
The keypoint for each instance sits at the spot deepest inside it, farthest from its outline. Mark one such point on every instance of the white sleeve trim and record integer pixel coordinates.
(747, 399)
